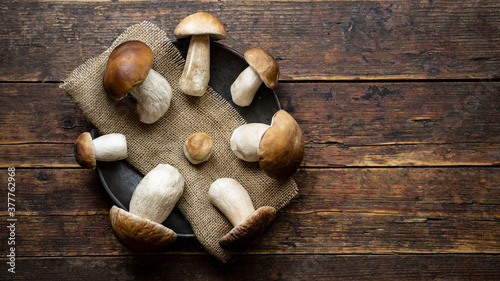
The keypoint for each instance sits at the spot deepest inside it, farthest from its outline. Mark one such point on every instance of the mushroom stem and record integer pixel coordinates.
(110, 147)
(245, 141)
(245, 86)
(157, 193)
(231, 199)
(153, 97)
(196, 74)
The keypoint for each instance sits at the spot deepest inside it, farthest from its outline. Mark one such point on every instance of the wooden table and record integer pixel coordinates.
(399, 103)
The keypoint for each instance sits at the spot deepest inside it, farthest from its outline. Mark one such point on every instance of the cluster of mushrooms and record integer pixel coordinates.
(278, 147)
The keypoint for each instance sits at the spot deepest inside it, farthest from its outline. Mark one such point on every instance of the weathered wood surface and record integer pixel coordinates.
(330, 40)
(400, 180)
(469, 193)
(362, 211)
(344, 124)
(267, 267)
(292, 233)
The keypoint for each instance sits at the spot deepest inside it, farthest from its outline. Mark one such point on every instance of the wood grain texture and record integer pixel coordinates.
(429, 193)
(330, 40)
(292, 233)
(338, 211)
(344, 124)
(268, 267)
(400, 180)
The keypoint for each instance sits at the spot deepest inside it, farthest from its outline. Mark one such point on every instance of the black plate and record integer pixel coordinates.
(120, 178)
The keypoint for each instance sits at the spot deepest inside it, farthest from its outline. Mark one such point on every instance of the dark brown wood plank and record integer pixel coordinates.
(344, 124)
(338, 211)
(48, 192)
(428, 193)
(38, 114)
(268, 267)
(36, 155)
(52, 155)
(292, 233)
(338, 155)
(396, 124)
(373, 113)
(45, 40)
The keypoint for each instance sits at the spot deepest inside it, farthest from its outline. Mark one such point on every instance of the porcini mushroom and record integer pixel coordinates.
(231, 198)
(279, 147)
(110, 147)
(152, 201)
(129, 71)
(201, 27)
(262, 68)
(198, 148)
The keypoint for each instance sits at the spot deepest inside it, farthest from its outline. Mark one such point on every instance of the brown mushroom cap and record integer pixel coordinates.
(264, 65)
(253, 226)
(199, 146)
(84, 151)
(200, 24)
(138, 233)
(281, 148)
(128, 66)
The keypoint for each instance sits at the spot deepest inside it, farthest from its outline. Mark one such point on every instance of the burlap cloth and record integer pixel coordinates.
(162, 142)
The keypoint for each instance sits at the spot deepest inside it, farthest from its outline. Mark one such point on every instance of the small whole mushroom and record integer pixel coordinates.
(152, 201)
(110, 147)
(231, 198)
(262, 68)
(198, 148)
(129, 70)
(279, 148)
(201, 27)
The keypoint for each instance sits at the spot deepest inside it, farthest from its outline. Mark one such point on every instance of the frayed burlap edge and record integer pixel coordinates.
(162, 142)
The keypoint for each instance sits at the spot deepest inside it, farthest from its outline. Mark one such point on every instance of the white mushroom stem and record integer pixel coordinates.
(153, 97)
(245, 141)
(231, 199)
(196, 74)
(110, 147)
(157, 193)
(245, 86)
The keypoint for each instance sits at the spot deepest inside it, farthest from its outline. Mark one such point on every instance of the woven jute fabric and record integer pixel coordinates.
(162, 142)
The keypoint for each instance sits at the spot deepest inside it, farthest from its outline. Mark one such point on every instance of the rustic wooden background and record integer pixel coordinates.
(399, 102)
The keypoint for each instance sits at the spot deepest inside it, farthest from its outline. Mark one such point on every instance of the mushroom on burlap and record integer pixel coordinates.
(152, 201)
(201, 27)
(198, 148)
(231, 198)
(129, 70)
(262, 68)
(110, 147)
(279, 148)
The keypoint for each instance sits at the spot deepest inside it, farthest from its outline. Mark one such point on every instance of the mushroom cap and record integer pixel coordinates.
(84, 151)
(138, 233)
(128, 66)
(281, 148)
(198, 147)
(253, 226)
(200, 24)
(264, 65)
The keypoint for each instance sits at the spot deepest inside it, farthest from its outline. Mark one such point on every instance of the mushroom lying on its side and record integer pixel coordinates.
(110, 147)
(129, 70)
(152, 201)
(262, 68)
(233, 201)
(201, 27)
(279, 148)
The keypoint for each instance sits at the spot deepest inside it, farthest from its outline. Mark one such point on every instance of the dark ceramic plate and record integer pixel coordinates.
(120, 178)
